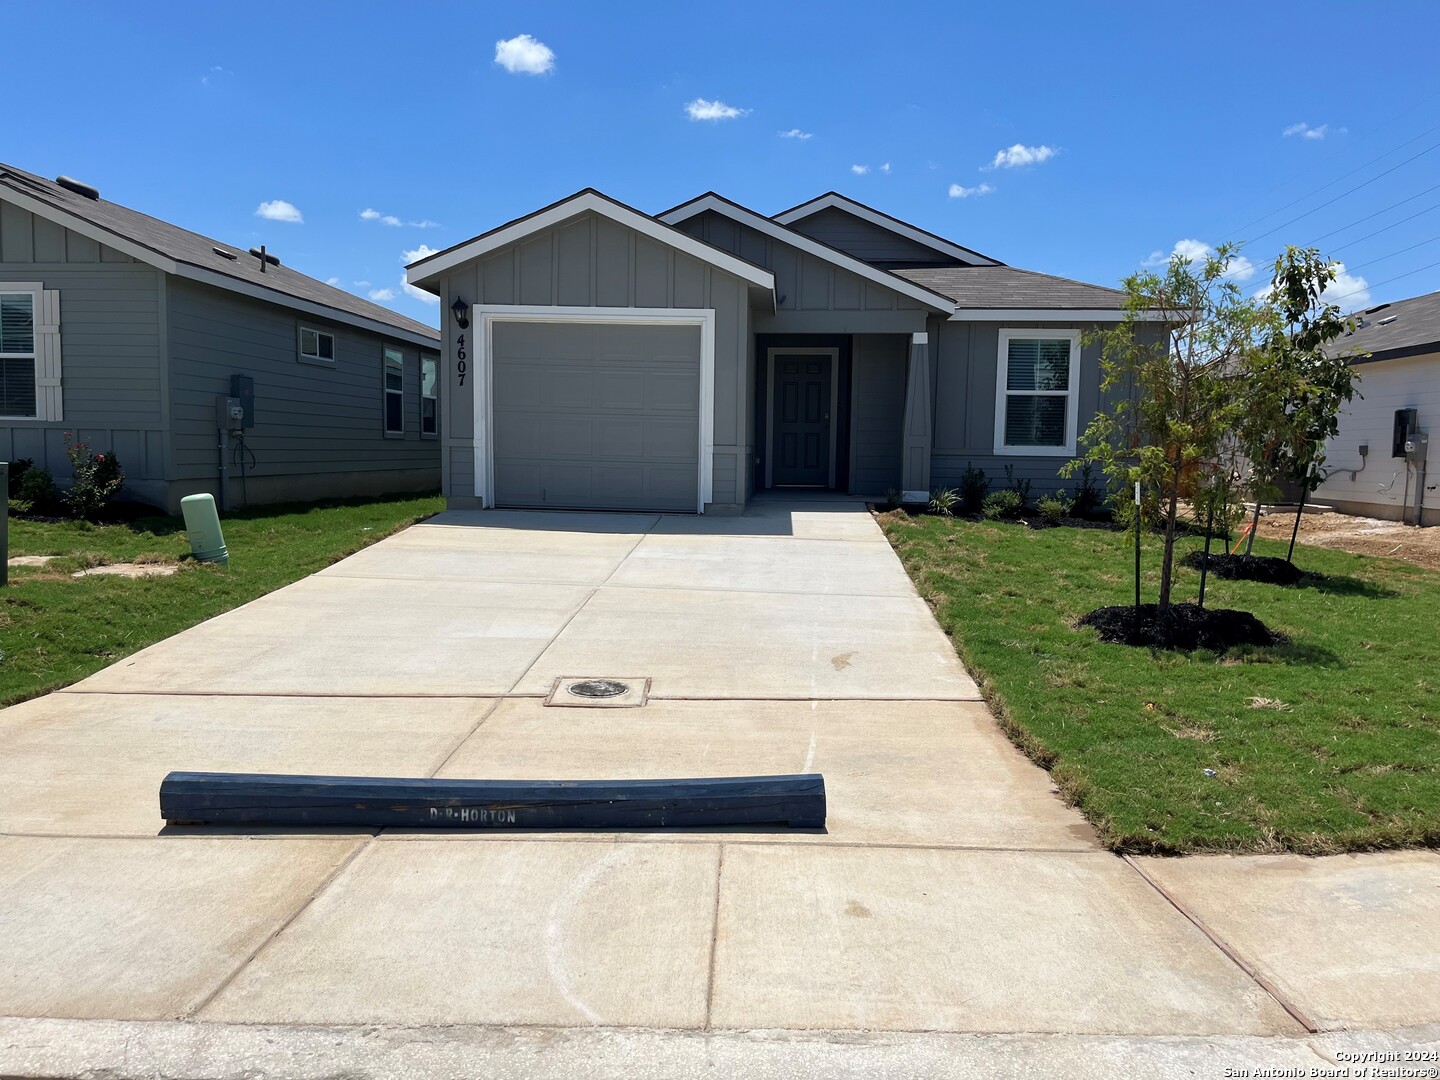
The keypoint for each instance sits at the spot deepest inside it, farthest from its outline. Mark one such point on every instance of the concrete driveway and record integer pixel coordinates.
(951, 892)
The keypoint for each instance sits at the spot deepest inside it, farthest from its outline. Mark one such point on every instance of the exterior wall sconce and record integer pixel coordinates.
(462, 313)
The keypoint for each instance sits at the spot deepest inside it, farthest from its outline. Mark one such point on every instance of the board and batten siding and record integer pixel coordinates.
(965, 358)
(867, 241)
(1380, 488)
(111, 344)
(319, 428)
(592, 261)
(879, 367)
(812, 296)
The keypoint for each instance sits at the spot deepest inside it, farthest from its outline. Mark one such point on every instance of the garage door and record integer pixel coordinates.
(596, 416)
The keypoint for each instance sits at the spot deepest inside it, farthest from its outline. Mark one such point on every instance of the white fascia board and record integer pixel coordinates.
(588, 201)
(884, 221)
(801, 242)
(209, 277)
(1050, 315)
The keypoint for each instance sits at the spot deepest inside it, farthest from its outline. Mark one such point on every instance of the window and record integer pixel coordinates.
(429, 395)
(394, 392)
(317, 346)
(18, 368)
(1036, 385)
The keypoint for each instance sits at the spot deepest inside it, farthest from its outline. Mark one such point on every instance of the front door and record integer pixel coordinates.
(802, 420)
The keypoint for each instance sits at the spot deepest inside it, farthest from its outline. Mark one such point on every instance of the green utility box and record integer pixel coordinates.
(202, 523)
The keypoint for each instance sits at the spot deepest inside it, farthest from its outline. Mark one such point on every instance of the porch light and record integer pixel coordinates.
(462, 313)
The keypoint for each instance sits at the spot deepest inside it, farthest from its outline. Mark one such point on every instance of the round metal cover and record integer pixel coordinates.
(598, 688)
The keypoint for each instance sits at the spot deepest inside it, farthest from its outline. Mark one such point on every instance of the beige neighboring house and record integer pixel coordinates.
(1371, 471)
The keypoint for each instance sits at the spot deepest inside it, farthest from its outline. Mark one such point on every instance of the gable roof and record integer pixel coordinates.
(424, 272)
(190, 255)
(990, 292)
(834, 200)
(1390, 331)
(786, 235)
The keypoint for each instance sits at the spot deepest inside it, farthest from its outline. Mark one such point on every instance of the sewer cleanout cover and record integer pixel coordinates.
(599, 692)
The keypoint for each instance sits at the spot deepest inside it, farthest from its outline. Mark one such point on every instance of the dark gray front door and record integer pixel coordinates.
(802, 420)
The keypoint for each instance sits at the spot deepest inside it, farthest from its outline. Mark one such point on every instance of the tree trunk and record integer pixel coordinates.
(1305, 490)
(1254, 526)
(1167, 560)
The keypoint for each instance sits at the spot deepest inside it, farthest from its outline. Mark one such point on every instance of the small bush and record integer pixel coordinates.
(35, 495)
(943, 501)
(894, 497)
(974, 486)
(1020, 487)
(1054, 508)
(1089, 496)
(18, 469)
(96, 479)
(1005, 503)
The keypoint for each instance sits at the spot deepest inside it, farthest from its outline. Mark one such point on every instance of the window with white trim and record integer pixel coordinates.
(394, 369)
(29, 352)
(317, 346)
(429, 395)
(1037, 382)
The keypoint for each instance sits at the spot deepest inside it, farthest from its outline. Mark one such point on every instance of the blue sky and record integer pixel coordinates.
(1076, 139)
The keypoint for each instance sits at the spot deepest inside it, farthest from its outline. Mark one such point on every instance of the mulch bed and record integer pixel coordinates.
(1184, 626)
(1263, 568)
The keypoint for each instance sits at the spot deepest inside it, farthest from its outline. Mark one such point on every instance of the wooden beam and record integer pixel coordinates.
(382, 802)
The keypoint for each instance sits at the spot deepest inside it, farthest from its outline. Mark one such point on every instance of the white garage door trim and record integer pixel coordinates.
(487, 317)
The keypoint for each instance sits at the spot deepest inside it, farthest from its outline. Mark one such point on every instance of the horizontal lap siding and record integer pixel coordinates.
(110, 345)
(309, 418)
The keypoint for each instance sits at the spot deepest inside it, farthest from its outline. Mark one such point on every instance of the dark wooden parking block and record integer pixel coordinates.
(260, 799)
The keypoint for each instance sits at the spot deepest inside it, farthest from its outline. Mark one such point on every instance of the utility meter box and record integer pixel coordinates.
(1407, 423)
(243, 388)
(229, 413)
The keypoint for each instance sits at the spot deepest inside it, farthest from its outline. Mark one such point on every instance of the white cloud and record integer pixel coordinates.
(885, 168)
(1195, 252)
(361, 284)
(700, 109)
(523, 55)
(1350, 291)
(382, 295)
(280, 210)
(796, 133)
(416, 254)
(335, 281)
(860, 170)
(425, 224)
(958, 192)
(1013, 157)
(214, 73)
(418, 294)
(369, 214)
(1305, 131)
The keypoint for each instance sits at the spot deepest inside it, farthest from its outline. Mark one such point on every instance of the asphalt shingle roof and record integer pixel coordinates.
(1007, 287)
(1405, 327)
(182, 246)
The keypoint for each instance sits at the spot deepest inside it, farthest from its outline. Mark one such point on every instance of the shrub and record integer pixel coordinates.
(974, 486)
(1020, 487)
(35, 493)
(18, 468)
(1005, 503)
(96, 479)
(943, 501)
(1089, 496)
(894, 497)
(1054, 508)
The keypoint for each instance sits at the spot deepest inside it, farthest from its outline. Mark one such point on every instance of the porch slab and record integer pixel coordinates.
(712, 644)
(905, 773)
(764, 564)
(143, 929)
(78, 764)
(1353, 940)
(825, 517)
(907, 939)
(357, 637)
(506, 933)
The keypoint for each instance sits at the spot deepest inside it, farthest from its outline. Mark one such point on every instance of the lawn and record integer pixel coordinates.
(1328, 743)
(56, 629)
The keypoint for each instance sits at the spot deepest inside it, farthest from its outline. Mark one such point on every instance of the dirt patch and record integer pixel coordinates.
(1184, 626)
(1262, 568)
(31, 560)
(1361, 535)
(129, 570)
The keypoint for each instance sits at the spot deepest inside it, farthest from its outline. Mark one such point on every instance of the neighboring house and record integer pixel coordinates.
(1368, 469)
(124, 330)
(597, 356)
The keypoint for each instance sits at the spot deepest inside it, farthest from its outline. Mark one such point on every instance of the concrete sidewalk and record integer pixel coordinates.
(951, 892)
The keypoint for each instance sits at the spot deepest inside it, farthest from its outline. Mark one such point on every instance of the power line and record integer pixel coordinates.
(1387, 281)
(1376, 214)
(1382, 258)
(1387, 228)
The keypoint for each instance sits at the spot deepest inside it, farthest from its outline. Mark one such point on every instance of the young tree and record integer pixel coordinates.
(1169, 378)
(1296, 383)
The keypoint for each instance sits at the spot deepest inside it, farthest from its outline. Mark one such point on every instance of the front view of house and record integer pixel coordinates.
(598, 357)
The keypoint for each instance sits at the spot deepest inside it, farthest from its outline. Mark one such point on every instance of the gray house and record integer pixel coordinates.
(600, 357)
(132, 333)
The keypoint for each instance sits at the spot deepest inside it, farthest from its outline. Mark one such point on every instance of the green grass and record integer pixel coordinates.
(1328, 743)
(56, 629)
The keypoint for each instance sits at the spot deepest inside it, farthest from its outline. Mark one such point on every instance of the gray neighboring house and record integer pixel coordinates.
(600, 357)
(124, 330)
